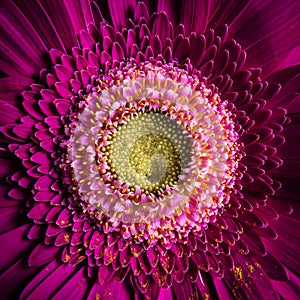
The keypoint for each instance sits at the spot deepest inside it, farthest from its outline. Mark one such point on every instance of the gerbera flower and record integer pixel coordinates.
(149, 150)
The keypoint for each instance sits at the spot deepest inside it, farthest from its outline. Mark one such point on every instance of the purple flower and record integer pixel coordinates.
(150, 150)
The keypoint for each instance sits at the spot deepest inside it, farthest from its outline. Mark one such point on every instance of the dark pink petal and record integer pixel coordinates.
(291, 148)
(63, 89)
(142, 281)
(273, 268)
(80, 14)
(21, 47)
(72, 289)
(286, 236)
(44, 183)
(185, 290)
(53, 230)
(45, 288)
(222, 289)
(64, 218)
(62, 106)
(62, 238)
(40, 277)
(8, 217)
(86, 40)
(196, 50)
(194, 15)
(9, 113)
(44, 195)
(125, 256)
(96, 240)
(36, 232)
(225, 13)
(200, 259)
(255, 244)
(36, 15)
(167, 262)
(117, 52)
(141, 11)
(181, 49)
(253, 283)
(282, 40)
(17, 274)
(120, 11)
(39, 211)
(119, 288)
(105, 274)
(288, 289)
(9, 252)
(60, 19)
(161, 27)
(251, 25)
(169, 8)
(42, 254)
(77, 238)
(10, 88)
(153, 256)
(110, 254)
(64, 74)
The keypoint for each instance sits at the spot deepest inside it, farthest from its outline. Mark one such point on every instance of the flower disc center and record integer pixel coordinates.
(149, 151)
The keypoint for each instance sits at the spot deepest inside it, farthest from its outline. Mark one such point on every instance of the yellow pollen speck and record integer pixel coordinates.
(251, 268)
(238, 273)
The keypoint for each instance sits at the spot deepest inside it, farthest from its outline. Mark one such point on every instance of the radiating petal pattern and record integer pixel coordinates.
(149, 150)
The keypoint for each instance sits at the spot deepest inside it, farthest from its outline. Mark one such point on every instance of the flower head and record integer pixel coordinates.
(155, 154)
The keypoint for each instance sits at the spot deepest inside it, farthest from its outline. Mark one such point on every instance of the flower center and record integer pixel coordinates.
(153, 153)
(149, 152)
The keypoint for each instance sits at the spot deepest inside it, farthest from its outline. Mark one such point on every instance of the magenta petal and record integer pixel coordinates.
(10, 88)
(80, 14)
(103, 291)
(42, 254)
(62, 106)
(144, 263)
(63, 73)
(291, 148)
(117, 52)
(21, 47)
(282, 41)
(197, 46)
(86, 40)
(64, 219)
(63, 89)
(185, 290)
(167, 262)
(273, 268)
(55, 279)
(161, 27)
(288, 289)
(120, 11)
(200, 259)
(125, 256)
(40, 277)
(44, 183)
(9, 113)
(194, 15)
(8, 241)
(8, 212)
(141, 11)
(105, 274)
(36, 232)
(39, 211)
(71, 289)
(222, 289)
(16, 275)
